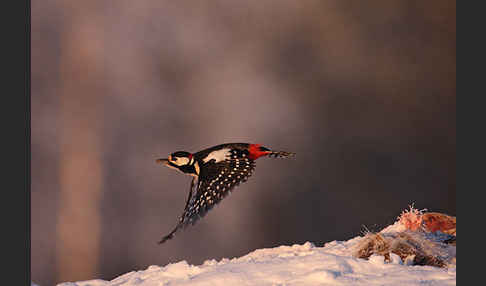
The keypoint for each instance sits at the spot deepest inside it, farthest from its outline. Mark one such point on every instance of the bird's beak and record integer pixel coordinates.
(162, 161)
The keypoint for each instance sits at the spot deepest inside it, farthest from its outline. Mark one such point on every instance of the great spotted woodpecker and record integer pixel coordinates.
(216, 171)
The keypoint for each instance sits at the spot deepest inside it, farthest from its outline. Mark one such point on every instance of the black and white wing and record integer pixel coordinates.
(215, 181)
(182, 223)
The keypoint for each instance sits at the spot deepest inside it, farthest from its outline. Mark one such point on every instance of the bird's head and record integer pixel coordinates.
(180, 160)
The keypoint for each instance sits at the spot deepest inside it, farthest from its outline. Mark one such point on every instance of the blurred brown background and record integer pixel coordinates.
(363, 91)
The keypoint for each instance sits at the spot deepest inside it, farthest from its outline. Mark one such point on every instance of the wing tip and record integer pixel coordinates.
(169, 236)
(164, 239)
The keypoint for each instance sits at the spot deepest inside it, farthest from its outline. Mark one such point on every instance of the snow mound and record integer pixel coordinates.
(303, 264)
(335, 263)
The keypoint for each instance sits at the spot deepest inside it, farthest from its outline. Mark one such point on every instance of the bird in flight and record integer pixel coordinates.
(215, 171)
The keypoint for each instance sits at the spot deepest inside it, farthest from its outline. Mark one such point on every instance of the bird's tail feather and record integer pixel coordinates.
(281, 154)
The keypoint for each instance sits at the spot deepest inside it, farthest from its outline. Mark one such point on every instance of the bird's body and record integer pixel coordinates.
(216, 171)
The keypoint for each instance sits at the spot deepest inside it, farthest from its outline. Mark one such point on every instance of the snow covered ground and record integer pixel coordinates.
(306, 264)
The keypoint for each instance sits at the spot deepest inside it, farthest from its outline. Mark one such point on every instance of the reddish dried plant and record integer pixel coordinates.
(411, 218)
(414, 219)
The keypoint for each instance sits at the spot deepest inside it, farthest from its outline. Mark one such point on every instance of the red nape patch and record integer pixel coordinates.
(255, 152)
(190, 156)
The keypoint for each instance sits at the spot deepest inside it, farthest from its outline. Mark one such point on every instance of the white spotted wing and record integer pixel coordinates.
(216, 180)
